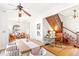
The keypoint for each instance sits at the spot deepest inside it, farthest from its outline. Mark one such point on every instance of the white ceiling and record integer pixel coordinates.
(39, 1)
(36, 9)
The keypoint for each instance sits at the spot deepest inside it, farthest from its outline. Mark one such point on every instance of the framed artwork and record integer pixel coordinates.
(16, 28)
(38, 29)
(38, 26)
(38, 33)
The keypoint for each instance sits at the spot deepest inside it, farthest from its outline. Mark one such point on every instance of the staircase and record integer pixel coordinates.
(69, 37)
(56, 24)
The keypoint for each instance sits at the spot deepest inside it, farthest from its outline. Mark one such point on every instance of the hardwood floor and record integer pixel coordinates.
(65, 50)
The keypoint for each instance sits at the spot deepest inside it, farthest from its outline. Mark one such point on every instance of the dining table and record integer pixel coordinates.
(25, 45)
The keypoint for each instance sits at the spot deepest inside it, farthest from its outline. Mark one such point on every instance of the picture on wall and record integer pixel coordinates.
(38, 26)
(38, 33)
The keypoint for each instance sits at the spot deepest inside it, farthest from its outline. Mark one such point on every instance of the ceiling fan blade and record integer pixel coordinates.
(12, 5)
(26, 12)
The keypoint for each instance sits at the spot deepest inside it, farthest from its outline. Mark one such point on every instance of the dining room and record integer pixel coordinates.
(26, 29)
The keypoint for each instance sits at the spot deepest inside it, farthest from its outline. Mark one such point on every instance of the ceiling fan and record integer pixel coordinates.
(20, 9)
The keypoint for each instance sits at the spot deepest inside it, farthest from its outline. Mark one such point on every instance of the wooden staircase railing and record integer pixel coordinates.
(69, 30)
(70, 36)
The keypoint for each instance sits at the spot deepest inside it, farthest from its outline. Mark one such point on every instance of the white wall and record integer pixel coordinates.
(68, 20)
(33, 28)
(46, 27)
(6, 22)
(24, 25)
(71, 24)
(3, 30)
(29, 25)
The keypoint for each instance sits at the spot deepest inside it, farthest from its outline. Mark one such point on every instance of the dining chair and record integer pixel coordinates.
(12, 51)
(38, 52)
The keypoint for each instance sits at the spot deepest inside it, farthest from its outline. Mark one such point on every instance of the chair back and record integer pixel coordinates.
(12, 51)
(38, 51)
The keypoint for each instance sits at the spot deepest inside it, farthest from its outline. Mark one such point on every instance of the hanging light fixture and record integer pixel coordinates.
(75, 14)
(20, 14)
(20, 10)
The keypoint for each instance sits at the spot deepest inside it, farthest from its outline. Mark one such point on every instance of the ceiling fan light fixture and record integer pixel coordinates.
(20, 15)
(19, 7)
(74, 10)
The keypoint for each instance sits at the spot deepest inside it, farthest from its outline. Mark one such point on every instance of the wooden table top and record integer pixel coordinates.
(22, 47)
(25, 48)
(37, 42)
